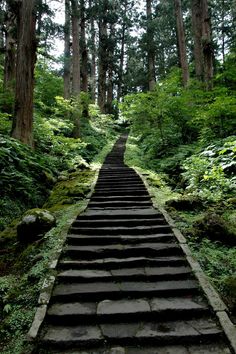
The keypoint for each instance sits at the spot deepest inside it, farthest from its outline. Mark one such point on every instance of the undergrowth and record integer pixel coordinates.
(197, 187)
(24, 269)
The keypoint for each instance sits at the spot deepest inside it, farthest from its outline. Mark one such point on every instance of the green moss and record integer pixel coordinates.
(66, 192)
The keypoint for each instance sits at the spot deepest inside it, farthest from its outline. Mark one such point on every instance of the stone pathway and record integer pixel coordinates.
(124, 285)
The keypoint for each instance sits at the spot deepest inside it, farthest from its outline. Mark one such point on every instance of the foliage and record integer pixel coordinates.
(48, 85)
(24, 176)
(211, 174)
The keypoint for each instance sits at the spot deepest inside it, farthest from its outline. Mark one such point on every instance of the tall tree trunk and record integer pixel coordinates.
(197, 34)
(67, 66)
(93, 56)
(22, 128)
(110, 85)
(122, 55)
(84, 51)
(203, 49)
(75, 49)
(223, 30)
(10, 52)
(151, 50)
(181, 42)
(75, 63)
(102, 70)
(207, 47)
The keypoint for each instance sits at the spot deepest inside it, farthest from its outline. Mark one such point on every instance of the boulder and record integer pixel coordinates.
(34, 224)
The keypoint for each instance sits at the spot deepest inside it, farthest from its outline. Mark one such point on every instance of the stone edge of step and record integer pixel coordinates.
(48, 284)
(218, 306)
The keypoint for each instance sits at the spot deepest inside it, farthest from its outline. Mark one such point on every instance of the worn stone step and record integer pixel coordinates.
(120, 204)
(120, 214)
(122, 198)
(120, 251)
(122, 239)
(111, 290)
(216, 347)
(142, 274)
(128, 262)
(120, 222)
(117, 172)
(117, 167)
(120, 184)
(125, 187)
(121, 230)
(119, 178)
(128, 310)
(117, 185)
(174, 332)
(121, 192)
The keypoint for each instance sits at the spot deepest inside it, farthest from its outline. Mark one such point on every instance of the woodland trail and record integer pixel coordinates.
(124, 285)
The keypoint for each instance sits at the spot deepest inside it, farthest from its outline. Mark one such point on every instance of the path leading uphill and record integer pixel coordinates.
(124, 284)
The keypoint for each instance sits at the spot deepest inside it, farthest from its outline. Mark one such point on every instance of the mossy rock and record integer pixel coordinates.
(186, 203)
(75, 186)
(214, 227)
(34, 224)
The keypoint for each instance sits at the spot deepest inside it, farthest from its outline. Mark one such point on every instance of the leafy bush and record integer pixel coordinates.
(24, 176)
(211, 173)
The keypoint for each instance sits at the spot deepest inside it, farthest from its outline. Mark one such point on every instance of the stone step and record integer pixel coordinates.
(174, 332)
(121, 184)
(121, 251)
(123, 198)
(120, 222)
(128, 262)
(121, 192)
(111, 290)
(120, 214)
(119, 178)
(120, 230)
(216, 347)
(121, 167)
(117, 172)
(111, 239)
(120, 204)
(142, 274)
(128, 310)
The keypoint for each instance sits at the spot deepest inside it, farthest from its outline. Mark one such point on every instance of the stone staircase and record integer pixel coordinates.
(123, 284)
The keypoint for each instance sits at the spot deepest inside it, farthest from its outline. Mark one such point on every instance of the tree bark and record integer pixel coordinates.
(67, 58)
(93, 56)
(26, 56)
(110, 85)
(207, 45)
(122, 55)
(102, 70)
(150, 45)
(181, 42)
(84, 51)
(10, 51)
(75, 49)
(197, 34)
(203, 49)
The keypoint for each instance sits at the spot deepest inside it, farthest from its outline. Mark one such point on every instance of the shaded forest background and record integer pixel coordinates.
(165, 71)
